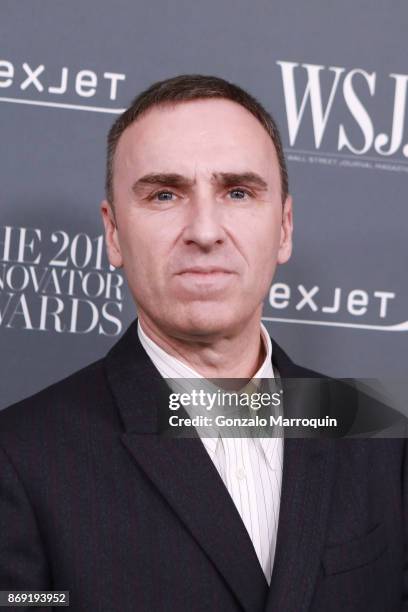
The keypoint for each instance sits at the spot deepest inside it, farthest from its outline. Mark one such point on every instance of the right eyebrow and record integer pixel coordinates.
(161, 179)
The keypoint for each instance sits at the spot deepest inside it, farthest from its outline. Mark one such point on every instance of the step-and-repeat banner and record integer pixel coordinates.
(335, 77)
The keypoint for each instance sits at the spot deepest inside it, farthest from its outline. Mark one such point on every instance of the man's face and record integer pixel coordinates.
(199, 223)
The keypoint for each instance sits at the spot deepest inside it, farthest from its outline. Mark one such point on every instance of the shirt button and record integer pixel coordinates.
(241, 474)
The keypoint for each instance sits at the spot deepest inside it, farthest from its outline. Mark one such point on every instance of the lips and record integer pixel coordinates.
(205, 270)
(204, 282)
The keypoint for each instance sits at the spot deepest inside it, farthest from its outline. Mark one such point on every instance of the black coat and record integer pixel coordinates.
(93, 500)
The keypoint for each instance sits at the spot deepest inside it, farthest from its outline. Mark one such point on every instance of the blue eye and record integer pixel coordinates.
(164, 196)
(238, 194)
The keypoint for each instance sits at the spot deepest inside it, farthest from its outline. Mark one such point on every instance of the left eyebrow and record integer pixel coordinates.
(230, 179)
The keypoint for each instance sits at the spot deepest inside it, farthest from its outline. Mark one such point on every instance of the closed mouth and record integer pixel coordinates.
(199, 270)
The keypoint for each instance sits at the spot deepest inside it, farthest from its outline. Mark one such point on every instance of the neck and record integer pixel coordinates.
(232, 355)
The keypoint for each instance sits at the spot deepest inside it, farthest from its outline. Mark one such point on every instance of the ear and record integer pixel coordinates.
(111, 235)
(285, 245)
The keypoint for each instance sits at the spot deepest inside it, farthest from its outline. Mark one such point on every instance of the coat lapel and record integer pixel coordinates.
(308, 475)
(187, 479)
(183, 472)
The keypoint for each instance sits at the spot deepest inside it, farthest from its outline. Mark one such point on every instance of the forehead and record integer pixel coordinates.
(213, 135)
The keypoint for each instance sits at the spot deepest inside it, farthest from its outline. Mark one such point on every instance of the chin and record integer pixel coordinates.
(207, 320)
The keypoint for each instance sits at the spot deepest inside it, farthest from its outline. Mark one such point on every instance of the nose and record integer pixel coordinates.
(204, 223)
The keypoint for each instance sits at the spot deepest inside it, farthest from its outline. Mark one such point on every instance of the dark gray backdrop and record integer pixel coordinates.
(66, 68)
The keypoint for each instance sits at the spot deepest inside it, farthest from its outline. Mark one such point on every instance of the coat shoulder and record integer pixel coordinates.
(85, 392)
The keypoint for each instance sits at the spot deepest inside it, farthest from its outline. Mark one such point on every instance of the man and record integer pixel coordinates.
(94, 500)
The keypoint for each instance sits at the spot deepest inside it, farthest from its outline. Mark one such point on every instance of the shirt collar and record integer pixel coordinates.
(170, 367)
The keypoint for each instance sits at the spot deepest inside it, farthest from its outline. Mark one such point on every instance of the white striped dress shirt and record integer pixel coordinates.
(251, 468)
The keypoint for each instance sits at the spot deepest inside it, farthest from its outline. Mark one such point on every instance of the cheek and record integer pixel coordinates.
(262, 240)
(262, 248)
(145, 257)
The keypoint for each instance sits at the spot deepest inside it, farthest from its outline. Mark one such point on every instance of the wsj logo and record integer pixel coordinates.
(356, 87)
